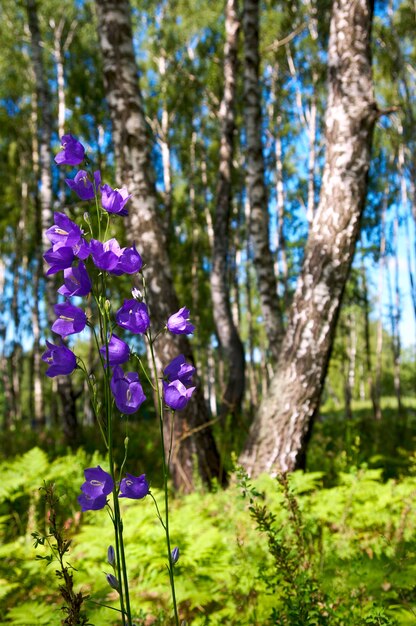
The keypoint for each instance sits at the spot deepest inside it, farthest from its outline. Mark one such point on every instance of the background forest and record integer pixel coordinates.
(270, 151)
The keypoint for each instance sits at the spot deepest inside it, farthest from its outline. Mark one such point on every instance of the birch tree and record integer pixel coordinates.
(193, 437)
(280, 431)
(257, 191)
(226, 329)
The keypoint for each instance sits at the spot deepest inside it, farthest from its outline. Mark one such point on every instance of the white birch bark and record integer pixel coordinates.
(193, 439)
(280, 431)
(230, 343)
(257, 192)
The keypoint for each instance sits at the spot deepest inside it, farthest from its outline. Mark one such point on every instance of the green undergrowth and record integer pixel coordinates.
(339, 442)
(254, 554)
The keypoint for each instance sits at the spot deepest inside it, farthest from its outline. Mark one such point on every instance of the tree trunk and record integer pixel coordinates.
(193, 438)
(259, 231)
(368, 360)
(278, 436)
(380, 291)
(230, 343)
(44, 130)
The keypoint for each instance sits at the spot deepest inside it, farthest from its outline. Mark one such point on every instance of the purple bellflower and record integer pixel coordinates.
(60, 359)
(83, 186)
(179, 369)
(82, 249)
(134, 487)
(98, 484)
(110, 257)
(88, 503)
(64, 231)
(72, 151)
(114, 200)
(179, 323)
(130, 262)
(176, 394)
(76, 281)
(133, 316)
(118, 351)
(127, 390)
(71, 319)
(59, 257)
(105, 255)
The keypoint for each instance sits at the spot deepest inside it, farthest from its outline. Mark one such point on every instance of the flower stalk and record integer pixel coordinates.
(86, 263)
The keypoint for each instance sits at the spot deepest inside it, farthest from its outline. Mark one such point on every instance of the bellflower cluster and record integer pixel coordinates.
(99, 484)
(86, 262)
(178, 374)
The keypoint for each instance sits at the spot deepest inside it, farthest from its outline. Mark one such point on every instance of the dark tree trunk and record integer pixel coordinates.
(193, 438)
(227, 333)
(259, 222)
(279, 433)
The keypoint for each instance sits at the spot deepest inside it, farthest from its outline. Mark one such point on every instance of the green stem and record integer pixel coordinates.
(92, 395)
(118, 523)
(144, 370)
(165, 478)
(118, 556)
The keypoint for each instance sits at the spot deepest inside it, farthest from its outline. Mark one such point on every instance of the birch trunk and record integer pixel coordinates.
(230, 342)
(278, 436)
(44, 130)
(380, 292)
(193, 437)
(259, 231)
(368, 360)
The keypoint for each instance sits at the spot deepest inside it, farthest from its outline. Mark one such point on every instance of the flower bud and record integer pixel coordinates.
(175, 555)
(87, 217)
(111, 557)
(126, 442)
(107, 305)
(112, 581)
(137, 294)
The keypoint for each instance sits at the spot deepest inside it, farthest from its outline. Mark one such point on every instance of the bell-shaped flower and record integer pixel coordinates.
(59, 257)
(179, 369)
(76, 281)
(118, 351)
(71, 319)
(61, 360)
(176, 395)
(64, 231)
(82, 249)
(110, 257)
(91, 504)
(72, 151)
(179, 323)
(83, 186)
(134, 487)
(127, 391)
(114, 200)
(105, 255)
(130, 262)
(133, 316)
(98, 484)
